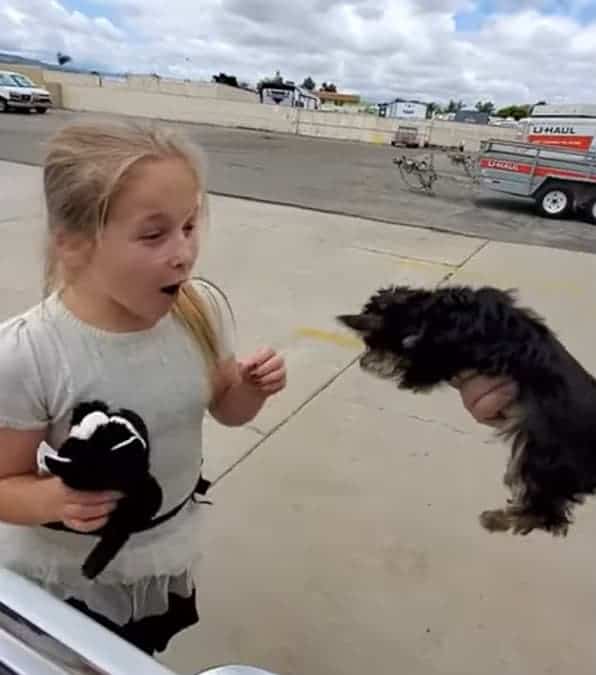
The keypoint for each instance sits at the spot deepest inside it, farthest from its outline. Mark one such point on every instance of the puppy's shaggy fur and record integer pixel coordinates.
(422, 338)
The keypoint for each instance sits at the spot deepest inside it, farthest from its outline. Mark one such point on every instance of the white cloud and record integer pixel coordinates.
(43, 28)
(380, 48)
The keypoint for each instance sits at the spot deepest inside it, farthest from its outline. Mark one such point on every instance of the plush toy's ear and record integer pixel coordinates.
(85, 408)
(134, 435)
(89, 425)
(56, 464)
(361, 323)
(136, 421)
(48, 459)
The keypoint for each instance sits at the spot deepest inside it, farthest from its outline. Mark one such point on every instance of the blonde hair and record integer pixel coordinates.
(86, 166)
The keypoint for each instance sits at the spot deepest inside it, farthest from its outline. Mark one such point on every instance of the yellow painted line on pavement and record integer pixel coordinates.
(332, 337)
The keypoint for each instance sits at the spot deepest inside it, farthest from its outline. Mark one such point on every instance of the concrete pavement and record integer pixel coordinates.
(344, 535)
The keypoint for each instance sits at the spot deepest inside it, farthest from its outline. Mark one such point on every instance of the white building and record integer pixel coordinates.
(289, 95)
(398, 109)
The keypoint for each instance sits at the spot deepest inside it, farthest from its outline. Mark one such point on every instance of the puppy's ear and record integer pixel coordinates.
(361, 323)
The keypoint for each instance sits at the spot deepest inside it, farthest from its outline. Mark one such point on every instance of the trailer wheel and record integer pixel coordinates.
(555, 201)
(591, 210)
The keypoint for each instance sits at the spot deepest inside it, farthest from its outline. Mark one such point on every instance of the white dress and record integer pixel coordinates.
(49, 362)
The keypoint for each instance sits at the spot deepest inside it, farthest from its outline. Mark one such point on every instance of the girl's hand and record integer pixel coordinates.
(82, 511)
(487, 399)
(265, 371)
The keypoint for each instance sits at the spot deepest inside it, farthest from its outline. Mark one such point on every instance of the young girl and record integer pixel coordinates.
(122, 323)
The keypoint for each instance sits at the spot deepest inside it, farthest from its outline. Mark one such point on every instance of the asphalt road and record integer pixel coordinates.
(335, 176)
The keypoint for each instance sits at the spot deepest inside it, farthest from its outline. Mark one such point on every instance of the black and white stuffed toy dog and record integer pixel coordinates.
(423, 338)
(107, 450)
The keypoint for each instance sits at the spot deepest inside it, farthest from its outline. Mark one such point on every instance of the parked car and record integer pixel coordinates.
(19, 92)
(41, 635)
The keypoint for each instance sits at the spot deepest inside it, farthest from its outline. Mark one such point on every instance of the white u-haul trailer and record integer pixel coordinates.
(562, 126)
(559, 180)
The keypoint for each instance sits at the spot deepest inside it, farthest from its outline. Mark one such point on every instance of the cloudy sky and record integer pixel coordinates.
(509, 51)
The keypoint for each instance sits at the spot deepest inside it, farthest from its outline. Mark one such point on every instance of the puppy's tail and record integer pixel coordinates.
(104, 551)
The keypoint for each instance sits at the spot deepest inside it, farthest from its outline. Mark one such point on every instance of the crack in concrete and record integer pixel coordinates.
(266, 435)
(445, 425)
(458, 268)
(449, 427)
(405, 258)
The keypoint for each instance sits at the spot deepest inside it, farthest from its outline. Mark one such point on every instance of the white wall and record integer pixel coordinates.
(212, 103)
(179, 108)
(359, 127)
(77, 79)
(148, 83)
(371, 129)
(454, 133)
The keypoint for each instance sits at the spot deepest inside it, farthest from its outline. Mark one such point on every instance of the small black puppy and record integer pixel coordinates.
(422, 338)
(108, 451)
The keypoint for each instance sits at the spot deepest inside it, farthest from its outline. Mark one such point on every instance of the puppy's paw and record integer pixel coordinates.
(496, 520)
(559, 530)
(524, 523)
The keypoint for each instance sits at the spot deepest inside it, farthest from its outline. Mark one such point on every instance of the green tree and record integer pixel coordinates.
(454, 106)
(432, 109)
(222, 78)
(63, 59)
(515, 111)
(485, 107)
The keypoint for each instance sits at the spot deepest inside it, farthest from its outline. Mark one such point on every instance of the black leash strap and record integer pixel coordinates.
(200, 489)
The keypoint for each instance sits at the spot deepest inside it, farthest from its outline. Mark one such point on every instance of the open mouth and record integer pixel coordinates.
(172, 289)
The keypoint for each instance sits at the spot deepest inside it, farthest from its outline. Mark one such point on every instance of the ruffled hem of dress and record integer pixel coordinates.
(119, 603)
(135, 584)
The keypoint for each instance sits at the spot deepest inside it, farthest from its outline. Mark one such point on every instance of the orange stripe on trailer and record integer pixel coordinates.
(543, 171)
(505, 165)
(562, 141)
(540, 171)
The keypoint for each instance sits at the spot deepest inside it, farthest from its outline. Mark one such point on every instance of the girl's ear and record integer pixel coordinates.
(73, 250)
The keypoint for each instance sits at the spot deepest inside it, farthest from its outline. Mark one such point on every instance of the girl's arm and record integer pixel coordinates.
(241, 388)
(28, 499)
(19, 485)
(234, 402)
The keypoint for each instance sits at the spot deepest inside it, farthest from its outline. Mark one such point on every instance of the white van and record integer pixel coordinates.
(19, 92)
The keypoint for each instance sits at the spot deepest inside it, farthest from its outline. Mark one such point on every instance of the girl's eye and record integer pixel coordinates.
(151, 236)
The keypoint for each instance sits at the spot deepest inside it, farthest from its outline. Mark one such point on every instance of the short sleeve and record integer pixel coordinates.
(22, 401)
(221, 314)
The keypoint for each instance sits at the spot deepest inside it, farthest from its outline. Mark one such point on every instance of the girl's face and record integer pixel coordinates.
(148, 247)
